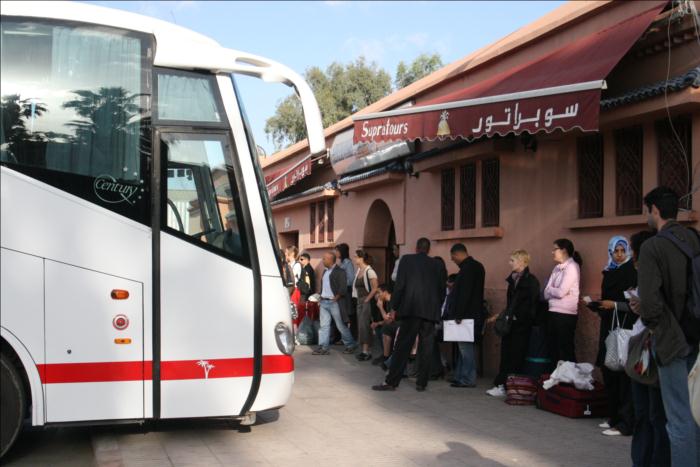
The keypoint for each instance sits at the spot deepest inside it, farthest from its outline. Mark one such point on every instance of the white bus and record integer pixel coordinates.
(139, 271)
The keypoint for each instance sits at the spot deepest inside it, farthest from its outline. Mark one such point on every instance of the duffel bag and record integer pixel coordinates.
(521, 390)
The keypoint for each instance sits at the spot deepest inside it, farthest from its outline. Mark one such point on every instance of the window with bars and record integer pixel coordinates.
(674, 140)
(490, 193)
(321, 222)
(447, 199)
(590, 176)
(312, 223)
(628, 170)
(467, 196)
(329, 219)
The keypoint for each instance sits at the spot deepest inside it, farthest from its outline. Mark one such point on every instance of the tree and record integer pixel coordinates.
(423, 65)
(340, 91)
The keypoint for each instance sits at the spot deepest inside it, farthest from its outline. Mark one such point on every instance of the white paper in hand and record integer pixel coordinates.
(462, 332)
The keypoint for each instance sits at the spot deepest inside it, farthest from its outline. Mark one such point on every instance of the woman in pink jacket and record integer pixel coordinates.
(562, 294)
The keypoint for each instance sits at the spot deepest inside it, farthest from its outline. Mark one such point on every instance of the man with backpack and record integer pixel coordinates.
(668, 281)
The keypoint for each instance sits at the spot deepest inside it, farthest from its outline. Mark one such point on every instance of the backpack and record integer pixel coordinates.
(288, 276)
(690, 321)
(303, 286)
(693, 303)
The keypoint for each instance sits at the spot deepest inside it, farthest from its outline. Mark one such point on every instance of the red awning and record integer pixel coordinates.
(283, 179)
(560, 90)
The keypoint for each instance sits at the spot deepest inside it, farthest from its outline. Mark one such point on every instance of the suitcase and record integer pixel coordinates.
(564, 399)
(521, 390)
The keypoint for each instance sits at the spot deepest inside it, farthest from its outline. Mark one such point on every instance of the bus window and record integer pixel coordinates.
(202, 205)
(74, 101)
(186, 97)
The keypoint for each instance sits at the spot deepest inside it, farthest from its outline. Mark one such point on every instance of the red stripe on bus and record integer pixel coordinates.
(169, 370)
(91, 372)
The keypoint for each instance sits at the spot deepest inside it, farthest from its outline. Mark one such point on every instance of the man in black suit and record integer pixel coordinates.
(418, 294)
(467, 302)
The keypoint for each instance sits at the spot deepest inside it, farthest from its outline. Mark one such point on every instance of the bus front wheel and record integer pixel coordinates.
(12, 404)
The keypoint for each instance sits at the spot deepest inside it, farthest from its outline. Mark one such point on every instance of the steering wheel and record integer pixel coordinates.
(204, 232)
(172, 206)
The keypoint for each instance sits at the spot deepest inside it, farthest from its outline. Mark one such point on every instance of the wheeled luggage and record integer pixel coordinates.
(564, 399)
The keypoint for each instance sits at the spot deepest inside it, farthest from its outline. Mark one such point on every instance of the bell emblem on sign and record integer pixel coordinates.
(443, 126)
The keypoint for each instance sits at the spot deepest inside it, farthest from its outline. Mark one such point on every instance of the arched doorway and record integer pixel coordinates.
(380, 239)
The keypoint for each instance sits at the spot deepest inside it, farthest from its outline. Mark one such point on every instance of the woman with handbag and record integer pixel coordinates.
(619, 275)
(515, 322)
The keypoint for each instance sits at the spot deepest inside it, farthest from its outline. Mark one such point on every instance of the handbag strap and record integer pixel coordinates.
(615, 320)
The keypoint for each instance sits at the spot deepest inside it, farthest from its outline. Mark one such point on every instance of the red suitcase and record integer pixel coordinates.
(564, 399)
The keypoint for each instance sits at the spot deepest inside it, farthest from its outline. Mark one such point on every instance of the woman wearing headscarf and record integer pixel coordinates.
(619, 275)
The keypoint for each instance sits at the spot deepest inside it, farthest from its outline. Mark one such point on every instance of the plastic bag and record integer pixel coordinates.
(578, 374)
(307, 333)
(694, 390)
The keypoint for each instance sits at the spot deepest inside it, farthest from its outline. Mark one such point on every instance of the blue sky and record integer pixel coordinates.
(317, 33)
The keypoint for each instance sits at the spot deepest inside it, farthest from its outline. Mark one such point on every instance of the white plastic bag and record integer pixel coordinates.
(578, 374)
(694, 390)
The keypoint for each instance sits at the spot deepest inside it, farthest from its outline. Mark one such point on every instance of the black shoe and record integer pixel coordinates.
(383, 366)
(420, 388)
(383, 387)
(437, 376)
(378, 361)
(363, 357)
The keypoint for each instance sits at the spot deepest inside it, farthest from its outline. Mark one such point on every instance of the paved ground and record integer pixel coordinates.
(333, 419)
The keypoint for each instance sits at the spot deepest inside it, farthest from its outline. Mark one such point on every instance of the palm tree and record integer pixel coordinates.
(15, 113)
(207, 366)
(106, 119)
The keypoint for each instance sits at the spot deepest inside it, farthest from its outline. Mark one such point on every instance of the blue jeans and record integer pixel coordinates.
(683, 432)
(330, 311)
(650, 446)
(465, 372)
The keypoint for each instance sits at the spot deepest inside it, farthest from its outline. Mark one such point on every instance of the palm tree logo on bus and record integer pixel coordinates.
(207, 366)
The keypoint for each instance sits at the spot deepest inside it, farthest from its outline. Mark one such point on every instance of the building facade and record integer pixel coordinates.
(498, 193)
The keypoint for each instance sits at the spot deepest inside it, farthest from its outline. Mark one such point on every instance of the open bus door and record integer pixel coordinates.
(206, 319)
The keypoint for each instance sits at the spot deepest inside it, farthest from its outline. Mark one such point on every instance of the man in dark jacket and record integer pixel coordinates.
(333, 290)
(663, 289)
(418, 294)
(467, 303)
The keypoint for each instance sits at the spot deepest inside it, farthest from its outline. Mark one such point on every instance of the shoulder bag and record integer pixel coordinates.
(641, 366)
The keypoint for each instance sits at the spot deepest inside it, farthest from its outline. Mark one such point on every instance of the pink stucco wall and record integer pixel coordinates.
(538, 203)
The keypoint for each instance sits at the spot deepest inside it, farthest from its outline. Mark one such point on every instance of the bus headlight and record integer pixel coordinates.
(284, 338)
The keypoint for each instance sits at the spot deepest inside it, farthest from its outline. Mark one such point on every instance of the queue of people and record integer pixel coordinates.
(645, 286)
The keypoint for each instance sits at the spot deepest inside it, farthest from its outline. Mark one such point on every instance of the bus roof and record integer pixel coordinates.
(178, 47)
(88, 13)
(167, 35)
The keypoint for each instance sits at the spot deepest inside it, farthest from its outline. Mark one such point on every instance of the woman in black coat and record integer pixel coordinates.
(619, 275)
(522, 302)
